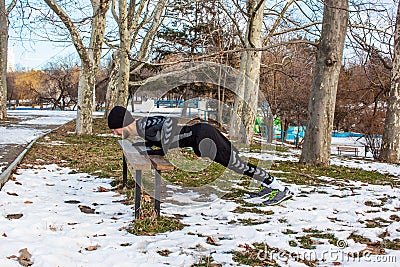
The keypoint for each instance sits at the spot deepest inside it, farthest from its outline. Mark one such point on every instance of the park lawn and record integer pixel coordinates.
(100, 155)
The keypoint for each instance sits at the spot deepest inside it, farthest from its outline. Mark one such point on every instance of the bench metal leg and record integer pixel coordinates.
(157, 192)
(124, 171)
(138, 191)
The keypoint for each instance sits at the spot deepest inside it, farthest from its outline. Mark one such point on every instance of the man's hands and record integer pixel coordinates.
(139, 144)
(159, 152)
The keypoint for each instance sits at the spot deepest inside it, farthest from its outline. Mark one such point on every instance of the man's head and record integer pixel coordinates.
(119, 118)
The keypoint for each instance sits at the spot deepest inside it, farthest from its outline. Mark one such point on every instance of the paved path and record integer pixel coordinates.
(23, 127)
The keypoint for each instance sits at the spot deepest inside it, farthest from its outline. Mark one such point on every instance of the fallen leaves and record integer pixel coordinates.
(24, 258)
(374, 248)
(28, 202)
(86, 209)
(72, 201)
(211, 240)
(147, 198)
(164, 253)
(102, 189)
(14, 216)
(91, 248)
(12, 194)
(98, 235)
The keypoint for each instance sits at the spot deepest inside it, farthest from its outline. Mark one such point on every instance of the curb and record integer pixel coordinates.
(6, 174)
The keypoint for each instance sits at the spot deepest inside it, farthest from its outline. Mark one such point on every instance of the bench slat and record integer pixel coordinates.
(354, 150)
(137, 161)
(347, 149)
(159, 162)
(134, 159)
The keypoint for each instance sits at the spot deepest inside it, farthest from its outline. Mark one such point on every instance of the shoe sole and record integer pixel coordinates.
(277, 203)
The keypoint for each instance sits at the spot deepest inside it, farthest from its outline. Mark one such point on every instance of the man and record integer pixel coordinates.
(204, 139)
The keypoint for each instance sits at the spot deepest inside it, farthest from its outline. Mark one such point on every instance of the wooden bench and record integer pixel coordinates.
(137, 163)
(341, 149)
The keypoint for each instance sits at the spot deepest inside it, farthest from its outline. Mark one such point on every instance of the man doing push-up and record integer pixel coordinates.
(203, 138)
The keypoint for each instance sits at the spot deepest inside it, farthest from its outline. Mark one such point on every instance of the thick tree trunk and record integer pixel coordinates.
(124, 51)
(390, 149)
(236, 117)
(250, 67)
(317, 140)
(85, 102)
(3, 59)
(252, 86)
(90, 59)
(90, 65)
(123, 79)
(112, 87)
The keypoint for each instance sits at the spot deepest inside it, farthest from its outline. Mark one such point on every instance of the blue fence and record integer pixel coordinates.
(192, 103)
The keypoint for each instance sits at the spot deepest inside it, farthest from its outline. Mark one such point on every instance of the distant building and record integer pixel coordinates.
(10, 60)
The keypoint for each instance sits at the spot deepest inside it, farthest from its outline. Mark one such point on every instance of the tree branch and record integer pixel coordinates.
(76, 38)
(220, 53)
(277, 21)
(10, 7)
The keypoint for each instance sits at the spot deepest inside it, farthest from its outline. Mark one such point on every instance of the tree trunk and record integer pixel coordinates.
(129, 27)
(3, 54)
(185, 98)
(3, 59)
(317, 140)
(253, 62)
(246, 98)
(90, 59)
(85, 102)
(270, 127)
(124, 51)
(90, 65)
(132, 95)
(390, 149)
(220, 93)
(123, 78)
(112, 87)
(236, 116)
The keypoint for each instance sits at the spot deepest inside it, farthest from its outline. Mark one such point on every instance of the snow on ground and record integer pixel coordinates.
(42, 117)
(17, 135)
(355, 162)
(32, 124)
(56, 231)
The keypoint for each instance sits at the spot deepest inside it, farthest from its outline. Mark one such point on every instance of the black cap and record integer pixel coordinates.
(119, 117)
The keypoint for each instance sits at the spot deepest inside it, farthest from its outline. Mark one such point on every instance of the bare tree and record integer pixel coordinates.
(285, 81)
(4, 13)
(90, 58)
(390, 150)
(317, 141)
(246, 99)
(60, 83)
(132, 18)
(265, 24)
